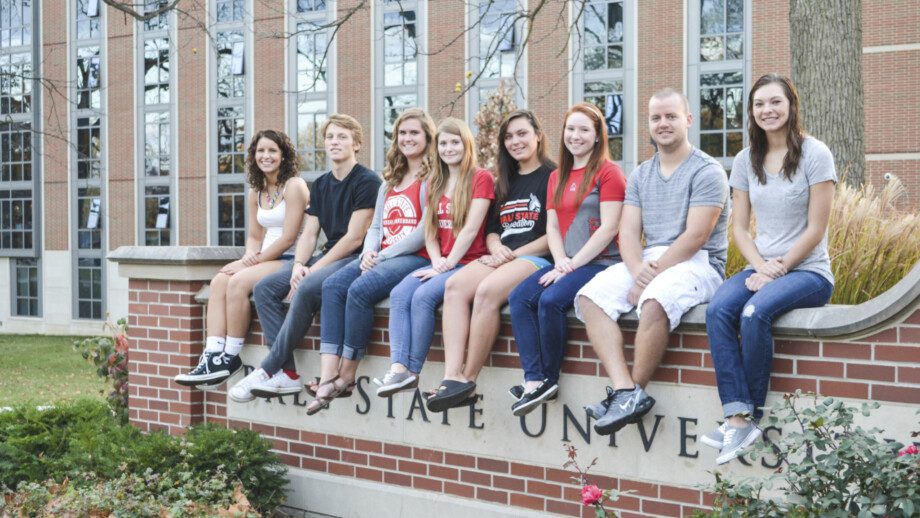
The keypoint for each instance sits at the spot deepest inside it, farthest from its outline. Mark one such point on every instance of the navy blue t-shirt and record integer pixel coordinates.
(333, 201)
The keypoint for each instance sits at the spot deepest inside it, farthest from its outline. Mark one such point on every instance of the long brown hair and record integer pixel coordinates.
(397, 165)
(598, 155)
(795, 135)
(508, 167)
(463, 188)
(289, 163)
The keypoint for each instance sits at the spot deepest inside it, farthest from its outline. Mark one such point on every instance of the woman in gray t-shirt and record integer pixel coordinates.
(788, 180)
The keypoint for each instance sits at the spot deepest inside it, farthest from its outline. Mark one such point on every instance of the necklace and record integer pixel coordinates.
(272, 199)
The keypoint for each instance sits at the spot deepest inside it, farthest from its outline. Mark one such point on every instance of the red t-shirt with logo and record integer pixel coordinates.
(483, 188)
(402, 211)
(611, 186)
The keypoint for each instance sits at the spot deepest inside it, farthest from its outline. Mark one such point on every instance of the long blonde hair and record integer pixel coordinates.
(440, 176)
(397, 165)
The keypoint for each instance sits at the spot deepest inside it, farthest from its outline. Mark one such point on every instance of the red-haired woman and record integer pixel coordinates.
(584, 201)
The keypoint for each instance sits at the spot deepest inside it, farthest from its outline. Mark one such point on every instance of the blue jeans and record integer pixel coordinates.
(284, 330)
(349, 297)
(743, 368)
(539, 320)
(412, 313)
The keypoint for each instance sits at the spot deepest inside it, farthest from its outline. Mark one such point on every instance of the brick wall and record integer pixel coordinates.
(661, 60)
(166, 336)
(192, 127)
(354, 90)
(165, 326)
(55, 180)
(268, 70)
(119, 145)
(547, 84)
(446, 62)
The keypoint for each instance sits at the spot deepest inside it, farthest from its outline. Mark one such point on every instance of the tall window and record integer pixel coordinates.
(230, 124)
(88, 177)
(399, 65)
(156, 224)
(19, 177)
(311, 82)
(605, 68)
(719, 49)
(495, 49)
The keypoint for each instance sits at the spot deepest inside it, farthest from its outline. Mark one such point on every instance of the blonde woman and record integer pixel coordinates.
(459, 195)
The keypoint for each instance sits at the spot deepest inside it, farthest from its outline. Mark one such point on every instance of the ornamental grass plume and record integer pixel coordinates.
(872, 244)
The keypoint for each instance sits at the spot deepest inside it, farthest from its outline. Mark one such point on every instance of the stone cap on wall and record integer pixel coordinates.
(173, 263)
(839, 321)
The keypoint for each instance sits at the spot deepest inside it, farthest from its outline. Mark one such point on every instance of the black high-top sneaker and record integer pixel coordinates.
(212, 369)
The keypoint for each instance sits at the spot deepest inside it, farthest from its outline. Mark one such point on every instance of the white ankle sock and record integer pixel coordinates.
(214, 344)
(234, 345)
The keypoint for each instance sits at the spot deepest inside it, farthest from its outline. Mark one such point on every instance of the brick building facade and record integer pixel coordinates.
(134, 135)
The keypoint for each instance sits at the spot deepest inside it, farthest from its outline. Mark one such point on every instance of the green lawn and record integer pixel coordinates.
(44, 369)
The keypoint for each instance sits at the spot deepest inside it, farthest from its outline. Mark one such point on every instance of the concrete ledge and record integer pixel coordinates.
(173, 263)
(838, 321)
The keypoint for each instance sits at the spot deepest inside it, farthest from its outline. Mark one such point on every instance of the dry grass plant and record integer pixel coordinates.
(872, 244)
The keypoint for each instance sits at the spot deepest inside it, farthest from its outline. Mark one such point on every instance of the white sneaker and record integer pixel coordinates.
(278, 385)
(242, 391)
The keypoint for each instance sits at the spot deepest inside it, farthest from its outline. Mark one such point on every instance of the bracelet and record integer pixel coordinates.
(299, 262)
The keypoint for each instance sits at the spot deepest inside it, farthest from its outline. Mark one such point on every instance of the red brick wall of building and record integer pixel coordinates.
(55, 180)
(120, 144)
(192, 127)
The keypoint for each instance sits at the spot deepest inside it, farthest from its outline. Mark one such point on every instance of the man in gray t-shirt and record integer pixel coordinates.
(679, 200)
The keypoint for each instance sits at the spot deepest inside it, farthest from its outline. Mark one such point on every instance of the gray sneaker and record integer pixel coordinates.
(735, 440)
(394, 382)
(597, 410)
(714, 438)
(628, 406)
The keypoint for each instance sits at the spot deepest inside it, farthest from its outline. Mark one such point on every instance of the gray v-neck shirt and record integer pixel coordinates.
(780, 206)
(700, 181)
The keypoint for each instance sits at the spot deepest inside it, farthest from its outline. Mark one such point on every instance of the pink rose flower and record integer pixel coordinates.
(910, 450)
(591, 495)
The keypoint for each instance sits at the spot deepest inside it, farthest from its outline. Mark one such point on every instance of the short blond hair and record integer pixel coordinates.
(347, 122)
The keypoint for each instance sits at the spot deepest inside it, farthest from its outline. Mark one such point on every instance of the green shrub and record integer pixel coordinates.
(829, 467)
(83, 442)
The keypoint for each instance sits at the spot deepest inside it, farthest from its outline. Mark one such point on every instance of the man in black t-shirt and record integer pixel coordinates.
(342, 206)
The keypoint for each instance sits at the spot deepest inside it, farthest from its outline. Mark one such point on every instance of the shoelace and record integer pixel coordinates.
(729, 435)
(220, 359)
(390, 376)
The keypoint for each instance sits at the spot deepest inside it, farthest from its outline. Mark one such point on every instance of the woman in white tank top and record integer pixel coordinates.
(277, 200)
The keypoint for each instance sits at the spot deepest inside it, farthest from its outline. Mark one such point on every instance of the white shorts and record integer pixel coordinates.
(677, 289)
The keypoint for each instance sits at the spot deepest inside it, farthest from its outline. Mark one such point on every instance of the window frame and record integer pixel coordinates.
(170, 181)
(696, 68)
(79, 254)
(474, 60)
(296, 97)
(377, 138)
(34, 120)
(630, 131)
(14, 291)
(243, 103)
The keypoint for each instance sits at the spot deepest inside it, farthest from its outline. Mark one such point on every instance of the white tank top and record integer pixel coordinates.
(273, 222)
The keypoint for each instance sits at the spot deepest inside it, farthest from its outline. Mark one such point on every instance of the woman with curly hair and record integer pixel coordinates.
(277, 199)
(393, 248)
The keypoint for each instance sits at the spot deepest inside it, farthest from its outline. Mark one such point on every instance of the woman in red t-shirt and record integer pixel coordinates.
(459, 195)
(584, 200)
(393, 248)
(516, 237)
